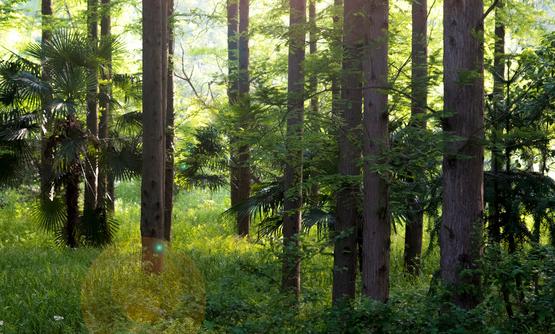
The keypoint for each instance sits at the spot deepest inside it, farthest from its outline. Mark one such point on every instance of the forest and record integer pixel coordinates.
(277, 166)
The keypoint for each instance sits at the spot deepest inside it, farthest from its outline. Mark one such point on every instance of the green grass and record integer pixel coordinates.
(40, 281)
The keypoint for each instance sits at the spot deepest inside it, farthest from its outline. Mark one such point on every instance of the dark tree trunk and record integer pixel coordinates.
(238, 93)
(46, 154)
(291, 271)
(104, 103)
(91, 163)
(72, 207)
(497, 128)
(336, 46)
(419, 83)
(170, 117)
(154, 109)
(313, 48)
(461, 230)
(243, 177)
(376, 229)
(350, 117)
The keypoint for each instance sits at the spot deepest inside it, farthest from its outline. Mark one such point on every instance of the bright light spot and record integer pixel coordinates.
(58, 318)
(1, 322)
(159, 248)
(13, 37)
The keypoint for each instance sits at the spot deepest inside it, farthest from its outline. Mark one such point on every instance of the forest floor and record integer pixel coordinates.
(41, 283)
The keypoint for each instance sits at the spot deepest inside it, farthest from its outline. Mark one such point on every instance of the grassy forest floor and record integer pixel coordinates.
(40, 283)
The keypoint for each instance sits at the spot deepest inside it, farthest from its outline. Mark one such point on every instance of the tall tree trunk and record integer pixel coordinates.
(461, 230)
(152, 187)
(46, 154)
(238, 94)
(233, 99)
(243, 177)
(419, 84)
(104, 102)
(350, 116)
(170, 118)
(313, 48)
(91, 165)
(291, 271)
(376, 230)
(336, 46)
(497, 128)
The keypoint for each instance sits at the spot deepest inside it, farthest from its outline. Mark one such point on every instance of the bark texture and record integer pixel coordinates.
(419, 86)
(376, 229)
(152, 187)
(350, 117)
(291, 271)
(238, 94)
(461, 230)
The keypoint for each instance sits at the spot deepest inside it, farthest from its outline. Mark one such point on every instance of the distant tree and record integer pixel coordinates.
(349, 114)
(293, 174)
(376, 229)
(239, 101)
(91, 168)
(419, 103)
(104, 197)
(46, 156)
(461, 230)
(497, 113)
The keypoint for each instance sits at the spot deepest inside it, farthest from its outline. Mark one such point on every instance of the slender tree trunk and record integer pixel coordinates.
(233, 98)
(336, 46)
(350, 116)
(376, 230)
(497, 128)
(461, 230)
(291, 271)
(243, 177)
(104, 102)
(238, 94)
(46, 154)
(419, 83)
(91, 165)
(170, 117)
(152, 187)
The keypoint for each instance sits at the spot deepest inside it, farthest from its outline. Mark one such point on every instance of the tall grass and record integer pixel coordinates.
(40, 282)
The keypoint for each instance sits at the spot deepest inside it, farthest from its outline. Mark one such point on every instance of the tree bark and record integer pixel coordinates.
(243, 154)
(91, 164)
(170, 118)
(291, 271)
(312, 49)
(238, 94)
(152, 187)
(419, 84)
(497, 128)
(350, 118)
(376, 229)
(336, 46)
(461, 230)
(104, 102)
